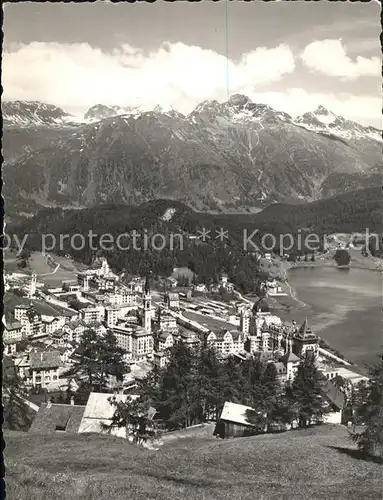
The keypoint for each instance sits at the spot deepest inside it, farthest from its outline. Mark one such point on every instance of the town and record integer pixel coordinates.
(45, 329)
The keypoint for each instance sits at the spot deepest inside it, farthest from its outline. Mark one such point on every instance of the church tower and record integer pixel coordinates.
(244, 324)
(147, 299)
(305, 341)
(32, 287)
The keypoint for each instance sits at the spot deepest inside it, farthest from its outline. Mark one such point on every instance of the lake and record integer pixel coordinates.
(344, 307)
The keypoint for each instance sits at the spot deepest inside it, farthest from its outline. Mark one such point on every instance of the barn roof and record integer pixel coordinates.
(99, 410)
(334, 394)
(235, 413)
(49, 417)
(99, 406)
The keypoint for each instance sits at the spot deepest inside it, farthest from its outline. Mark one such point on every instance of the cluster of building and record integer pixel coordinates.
(43, 331)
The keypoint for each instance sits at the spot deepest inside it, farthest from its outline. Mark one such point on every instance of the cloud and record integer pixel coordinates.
(77, 76)
(178, 75)
(330, 57)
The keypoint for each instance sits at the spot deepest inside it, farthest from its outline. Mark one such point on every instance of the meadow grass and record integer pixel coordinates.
(313, 464)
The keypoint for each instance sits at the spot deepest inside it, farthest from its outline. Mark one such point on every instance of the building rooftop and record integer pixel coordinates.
(140, 332)
(334, 394)
(15, 325)
(235, 413)
(72, 325)
(41, 360)
(290, 357)
(54, 417)
(100, 407)
(305, 331)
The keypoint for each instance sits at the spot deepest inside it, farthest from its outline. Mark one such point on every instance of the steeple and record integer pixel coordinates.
(32, 286)
(305, 330)
(147, 286)
(147, 300)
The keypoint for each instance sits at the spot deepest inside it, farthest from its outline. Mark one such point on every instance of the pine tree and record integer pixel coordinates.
(370, 441)
(207, 382)
(232, 387)
(98, 357)
(177, 404)
(307, 393)
(110, 357)
(15, 412)
(133, 415)
(263, 388)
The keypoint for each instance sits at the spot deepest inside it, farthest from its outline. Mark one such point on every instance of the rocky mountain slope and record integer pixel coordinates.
(222, 156)
(29, 113)
(30, 125)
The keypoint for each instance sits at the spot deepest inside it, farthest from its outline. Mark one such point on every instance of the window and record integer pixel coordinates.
(61, 427)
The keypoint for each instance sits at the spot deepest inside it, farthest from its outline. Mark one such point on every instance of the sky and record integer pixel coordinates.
(293, 56)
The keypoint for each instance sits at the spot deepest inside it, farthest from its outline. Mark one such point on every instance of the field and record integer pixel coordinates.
(300, 465)
(45, 271)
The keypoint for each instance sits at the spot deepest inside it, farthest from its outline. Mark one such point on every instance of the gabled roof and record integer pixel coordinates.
(75, 323)
(66, 417)
(334, 394)
(235, 413)
(99, 406)
(290, 357)
(164, 335)
(59, 333)
(44, 359)
(236, 334)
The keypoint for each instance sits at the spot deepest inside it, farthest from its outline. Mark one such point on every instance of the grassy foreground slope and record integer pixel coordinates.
(312, 464)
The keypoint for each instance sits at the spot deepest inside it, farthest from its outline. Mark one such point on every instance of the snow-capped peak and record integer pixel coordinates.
(101, 111)
(324, 121)
(33, 113)
(324, 115)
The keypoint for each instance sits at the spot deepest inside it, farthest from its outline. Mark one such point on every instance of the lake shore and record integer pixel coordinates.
(368, 263)
(358, 261)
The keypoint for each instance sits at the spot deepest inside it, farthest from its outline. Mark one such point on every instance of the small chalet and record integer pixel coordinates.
(234, 422)
(99, 413)
(336, 400)
(52, 418)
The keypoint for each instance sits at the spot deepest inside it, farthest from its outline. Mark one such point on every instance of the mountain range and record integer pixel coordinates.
(227, 156)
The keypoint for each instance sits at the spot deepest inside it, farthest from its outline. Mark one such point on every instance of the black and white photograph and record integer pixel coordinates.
(193, 250)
